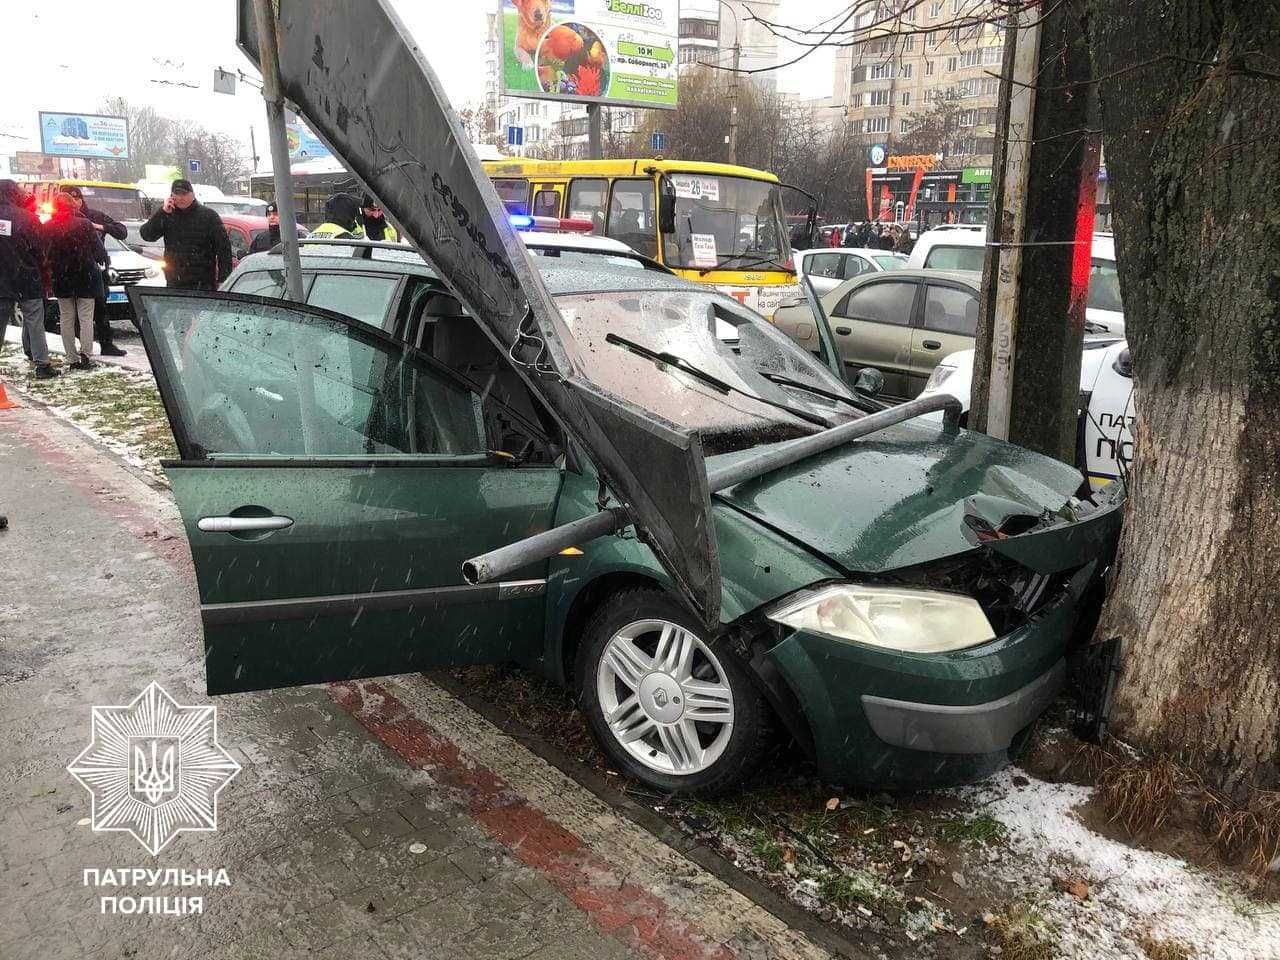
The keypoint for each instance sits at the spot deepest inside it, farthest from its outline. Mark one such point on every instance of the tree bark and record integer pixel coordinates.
(1193, 158)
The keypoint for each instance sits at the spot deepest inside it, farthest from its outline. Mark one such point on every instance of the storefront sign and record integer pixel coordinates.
(84, 135)
(591, 51)
(913, 161)
(975, 175)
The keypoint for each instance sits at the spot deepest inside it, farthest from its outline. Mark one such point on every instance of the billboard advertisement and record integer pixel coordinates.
(303, 144)
(87, 135)
(617, 52)
(35, 164)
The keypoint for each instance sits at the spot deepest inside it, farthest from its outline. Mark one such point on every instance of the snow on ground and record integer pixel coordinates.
(1132, 891)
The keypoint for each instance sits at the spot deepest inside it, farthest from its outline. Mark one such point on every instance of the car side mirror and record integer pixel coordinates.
(792, 303)
(869, 382)
(667, 213)
(1124, 364)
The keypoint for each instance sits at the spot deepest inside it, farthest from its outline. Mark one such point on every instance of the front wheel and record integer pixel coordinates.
(672, 710)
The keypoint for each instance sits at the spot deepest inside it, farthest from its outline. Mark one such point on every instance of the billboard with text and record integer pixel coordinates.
(88, 135)
(616, 52)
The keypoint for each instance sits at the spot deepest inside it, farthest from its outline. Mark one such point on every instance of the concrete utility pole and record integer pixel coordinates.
(733, 100)
(269, 57)
(1039, 232)
(595, 142)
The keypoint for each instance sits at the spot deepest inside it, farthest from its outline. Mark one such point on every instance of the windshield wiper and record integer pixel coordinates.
(808, 387)
(722, 262)
(661, 356)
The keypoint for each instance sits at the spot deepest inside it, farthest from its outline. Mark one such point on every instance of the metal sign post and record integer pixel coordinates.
(269, 63)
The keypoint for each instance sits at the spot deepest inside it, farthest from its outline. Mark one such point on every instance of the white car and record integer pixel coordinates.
(586, 248)
(1104, 446)
(964, 247)
(828, 267)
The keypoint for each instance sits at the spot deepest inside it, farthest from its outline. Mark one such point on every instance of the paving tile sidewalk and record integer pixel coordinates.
(339, 839)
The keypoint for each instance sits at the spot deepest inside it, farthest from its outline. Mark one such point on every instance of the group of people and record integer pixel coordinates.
(874, 235)
(347, 218)
(65, 257)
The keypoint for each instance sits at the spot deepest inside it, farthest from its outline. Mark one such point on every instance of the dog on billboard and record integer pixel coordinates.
(535, 17)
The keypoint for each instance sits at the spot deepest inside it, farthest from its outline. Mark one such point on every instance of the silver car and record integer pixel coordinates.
(830, 267)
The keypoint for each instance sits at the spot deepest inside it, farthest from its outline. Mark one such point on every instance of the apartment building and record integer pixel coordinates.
(709, 30)
(927, 54)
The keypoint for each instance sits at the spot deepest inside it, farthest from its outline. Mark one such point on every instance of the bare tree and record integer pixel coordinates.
(157, 139)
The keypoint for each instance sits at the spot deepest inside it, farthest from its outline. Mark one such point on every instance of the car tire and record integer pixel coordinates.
(714, 751)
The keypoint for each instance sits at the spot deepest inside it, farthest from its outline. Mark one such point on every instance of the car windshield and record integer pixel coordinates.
(727, 222)
(237, 206)
(113, 245)
(1104, 286)
(697, 359)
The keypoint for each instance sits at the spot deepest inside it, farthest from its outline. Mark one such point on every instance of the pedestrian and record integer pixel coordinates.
(265, 240)
(197, 252)
(374, 222)
(851, 235)
(836, 237)
(902, 241)
(342, 219)
(106, 225)
(864, 235)
(22, 274)
(76, 255)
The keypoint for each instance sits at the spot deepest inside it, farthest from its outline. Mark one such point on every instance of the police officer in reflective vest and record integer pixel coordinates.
(342, 219)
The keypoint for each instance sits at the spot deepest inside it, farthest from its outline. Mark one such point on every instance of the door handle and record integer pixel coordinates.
(242, 524)
(931, 344)
(844, 331)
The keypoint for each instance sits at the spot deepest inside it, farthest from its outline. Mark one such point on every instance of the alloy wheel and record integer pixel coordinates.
(665, 697)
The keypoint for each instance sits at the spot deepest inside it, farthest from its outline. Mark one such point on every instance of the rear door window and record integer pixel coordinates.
(890, 302)
(950, 310)
(825, 265)
(362, 297)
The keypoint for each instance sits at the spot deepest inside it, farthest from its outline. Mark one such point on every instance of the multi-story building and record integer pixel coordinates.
(709, 30)
(938, 59)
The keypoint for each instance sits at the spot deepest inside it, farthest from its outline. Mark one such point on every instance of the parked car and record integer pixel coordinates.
(246, 205)
(902, 605)
(241, 229)
(826, 268)
(958, 247)
(902, 322)
(1104, 439)
(148, 248)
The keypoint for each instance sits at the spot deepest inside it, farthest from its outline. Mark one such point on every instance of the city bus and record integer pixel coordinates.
(708, 222)
(120, 200)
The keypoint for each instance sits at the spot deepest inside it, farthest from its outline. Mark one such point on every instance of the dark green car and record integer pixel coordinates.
(375, 496)
(333, 479)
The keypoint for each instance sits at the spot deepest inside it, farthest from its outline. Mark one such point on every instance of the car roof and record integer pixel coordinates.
(863, 251)
(965, 277)
(573, 241)
(248, 221)
(388, 258)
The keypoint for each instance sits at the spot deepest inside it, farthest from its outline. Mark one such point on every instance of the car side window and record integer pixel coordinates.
(950, 310)
(854, 266)
(825, 265)
(364, 298)
(631, 216)
(239, 244)
(586, 201)
(890, 302)
(262, 283)
(263, 380)
(514, 194)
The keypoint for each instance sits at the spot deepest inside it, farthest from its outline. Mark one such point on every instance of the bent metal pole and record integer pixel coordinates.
(499, 563)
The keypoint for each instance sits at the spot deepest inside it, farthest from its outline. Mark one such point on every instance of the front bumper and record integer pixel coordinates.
(887, 719)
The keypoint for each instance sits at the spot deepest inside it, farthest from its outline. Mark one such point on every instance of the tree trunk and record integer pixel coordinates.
(1193, 158)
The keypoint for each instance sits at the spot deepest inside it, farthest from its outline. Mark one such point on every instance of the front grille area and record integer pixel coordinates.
(127, 277)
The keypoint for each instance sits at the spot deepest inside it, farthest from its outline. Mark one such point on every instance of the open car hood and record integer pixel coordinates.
(367, 91)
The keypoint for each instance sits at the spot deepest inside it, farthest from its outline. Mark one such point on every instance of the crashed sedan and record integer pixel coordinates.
(627, 483)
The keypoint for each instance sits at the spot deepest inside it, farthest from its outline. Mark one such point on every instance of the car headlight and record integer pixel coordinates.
(893, 618)
(152, 271)
(941, 374)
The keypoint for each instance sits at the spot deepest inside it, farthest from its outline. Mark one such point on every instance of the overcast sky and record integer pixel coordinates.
(69, 56)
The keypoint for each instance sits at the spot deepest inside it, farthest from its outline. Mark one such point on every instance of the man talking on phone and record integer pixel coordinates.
(197, 253)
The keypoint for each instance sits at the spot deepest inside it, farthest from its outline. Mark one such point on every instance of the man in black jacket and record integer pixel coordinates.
(21, 273)
(106, 224)
(197, 253)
